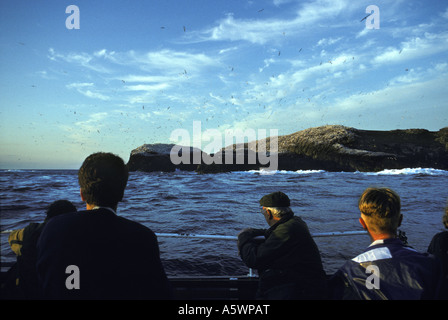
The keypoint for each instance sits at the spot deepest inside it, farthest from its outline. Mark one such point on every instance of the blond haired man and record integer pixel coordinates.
(387, 269)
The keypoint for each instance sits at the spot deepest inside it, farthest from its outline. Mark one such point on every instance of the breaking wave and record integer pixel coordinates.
(405, 171)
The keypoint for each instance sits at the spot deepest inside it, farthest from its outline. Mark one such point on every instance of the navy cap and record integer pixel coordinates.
(275, 199)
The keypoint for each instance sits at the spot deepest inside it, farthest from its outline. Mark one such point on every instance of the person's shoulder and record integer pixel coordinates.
(62, 224)
(65, 218)
(441, 236)
(135, 226)
(297, 222)
(405, 255)
(396, 249)
(32, 226)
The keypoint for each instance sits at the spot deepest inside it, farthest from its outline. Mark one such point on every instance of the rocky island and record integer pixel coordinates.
(329, 148)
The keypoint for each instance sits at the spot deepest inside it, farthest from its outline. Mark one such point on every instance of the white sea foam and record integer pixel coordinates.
(405, 171)
(411, 171)
(270, 172)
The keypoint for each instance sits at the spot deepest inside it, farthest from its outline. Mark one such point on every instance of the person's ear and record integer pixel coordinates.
(82, 197)
(363, 223)
(400, 220)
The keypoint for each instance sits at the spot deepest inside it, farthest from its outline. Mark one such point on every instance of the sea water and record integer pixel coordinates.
(226, 203)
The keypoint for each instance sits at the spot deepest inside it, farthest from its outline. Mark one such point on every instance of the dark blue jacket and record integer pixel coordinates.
(402, 274)
(117, 258)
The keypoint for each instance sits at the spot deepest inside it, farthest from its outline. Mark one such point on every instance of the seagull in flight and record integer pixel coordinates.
(365, 17)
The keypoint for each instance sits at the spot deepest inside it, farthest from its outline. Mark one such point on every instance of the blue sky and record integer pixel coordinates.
(135, 71)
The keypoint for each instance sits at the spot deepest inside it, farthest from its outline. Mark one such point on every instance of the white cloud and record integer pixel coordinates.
(328, 41)
(95, 95)
(81, 132)
(254, 31)
(280, 2)
(158, 77)
(178, 61)
(83, 88)
(147, 78)
(146, 87)
(166, 61)
(421, 75)
(267, 63)
(380, 109)
(150, 72)
(79, 85)
(364, 32)
(415, 48)
(222, 51)
(218, 98)
(260, 31)
(82, 59)
(44, 75)
(144, 116)
(445, 14)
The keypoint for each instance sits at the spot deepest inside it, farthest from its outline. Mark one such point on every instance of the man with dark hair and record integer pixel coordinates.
(387, 269)
(288, 260)
(95, 254)
(102, 178)
(23, 242)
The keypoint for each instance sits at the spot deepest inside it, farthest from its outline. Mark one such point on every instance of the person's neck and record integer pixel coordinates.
(94, 206)
(276, 220)
(381, 236)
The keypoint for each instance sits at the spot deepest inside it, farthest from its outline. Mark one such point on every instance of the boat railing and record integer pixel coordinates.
(234, 238)
(222, 237)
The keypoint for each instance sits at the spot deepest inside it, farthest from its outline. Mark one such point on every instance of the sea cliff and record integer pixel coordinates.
(330, 148)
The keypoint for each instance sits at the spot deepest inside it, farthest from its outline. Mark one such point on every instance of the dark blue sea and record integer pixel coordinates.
(226, 203)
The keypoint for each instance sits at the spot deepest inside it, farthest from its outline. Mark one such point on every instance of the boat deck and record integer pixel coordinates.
(205, 288)
(214, 288)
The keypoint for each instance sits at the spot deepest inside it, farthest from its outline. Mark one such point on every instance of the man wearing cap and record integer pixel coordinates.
(288, 260)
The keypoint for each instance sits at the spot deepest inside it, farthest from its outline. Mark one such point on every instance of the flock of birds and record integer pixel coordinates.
(167, 109)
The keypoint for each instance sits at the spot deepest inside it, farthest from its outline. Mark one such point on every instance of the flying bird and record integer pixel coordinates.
(365, 17)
